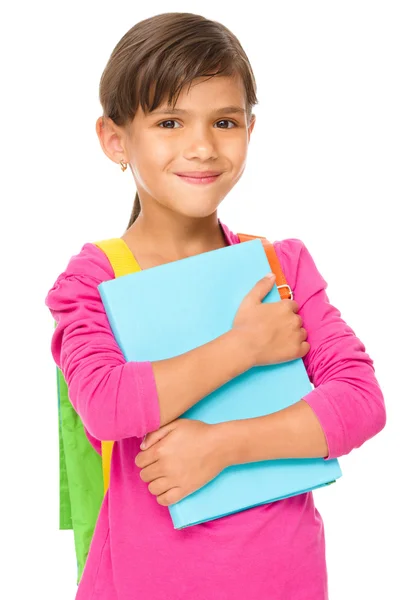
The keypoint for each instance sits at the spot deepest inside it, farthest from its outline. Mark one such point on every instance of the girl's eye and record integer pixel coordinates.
(227, 121)
(173, 121)
(168, 121)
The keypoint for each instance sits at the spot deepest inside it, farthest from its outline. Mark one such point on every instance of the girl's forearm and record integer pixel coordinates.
(183, 380)
(293, 432)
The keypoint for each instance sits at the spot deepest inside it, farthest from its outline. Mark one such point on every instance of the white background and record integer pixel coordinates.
(328, 163)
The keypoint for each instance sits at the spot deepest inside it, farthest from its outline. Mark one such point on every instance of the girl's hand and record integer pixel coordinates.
(273, 329)
(179, 458)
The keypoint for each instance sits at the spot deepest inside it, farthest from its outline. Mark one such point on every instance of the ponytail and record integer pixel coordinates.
(136, 209)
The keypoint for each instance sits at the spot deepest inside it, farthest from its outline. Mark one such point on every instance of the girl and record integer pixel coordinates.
(177, 97)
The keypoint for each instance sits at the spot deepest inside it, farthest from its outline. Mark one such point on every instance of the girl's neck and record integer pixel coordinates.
(167, 240)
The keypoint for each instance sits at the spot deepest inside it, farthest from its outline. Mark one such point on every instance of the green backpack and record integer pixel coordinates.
(81, 481)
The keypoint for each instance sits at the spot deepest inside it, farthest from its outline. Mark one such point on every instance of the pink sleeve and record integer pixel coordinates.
(346, 398)
(115, 399)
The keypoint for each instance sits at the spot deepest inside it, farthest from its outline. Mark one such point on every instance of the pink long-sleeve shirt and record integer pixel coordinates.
(270, 552)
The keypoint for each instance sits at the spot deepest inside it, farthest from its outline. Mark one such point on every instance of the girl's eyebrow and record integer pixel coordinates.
(178, 111)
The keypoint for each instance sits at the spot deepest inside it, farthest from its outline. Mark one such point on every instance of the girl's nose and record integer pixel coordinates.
(201, 144)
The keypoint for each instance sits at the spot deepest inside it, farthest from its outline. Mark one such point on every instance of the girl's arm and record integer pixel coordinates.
(117, 399)
(293, 432)
(345, 409)
(185, 379)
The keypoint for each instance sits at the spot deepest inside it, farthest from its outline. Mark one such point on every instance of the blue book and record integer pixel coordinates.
(167, 310)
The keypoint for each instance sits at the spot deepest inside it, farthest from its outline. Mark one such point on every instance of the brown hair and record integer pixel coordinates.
(164, 53)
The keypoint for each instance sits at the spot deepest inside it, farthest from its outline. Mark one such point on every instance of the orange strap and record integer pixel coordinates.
(284, 289)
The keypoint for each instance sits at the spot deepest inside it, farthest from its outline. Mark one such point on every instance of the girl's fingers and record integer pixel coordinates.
(170, 497)
(151, 472)
(155, 436)
(159, 486)
(144, 459)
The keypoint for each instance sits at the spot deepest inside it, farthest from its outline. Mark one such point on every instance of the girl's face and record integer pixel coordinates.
(203, 134)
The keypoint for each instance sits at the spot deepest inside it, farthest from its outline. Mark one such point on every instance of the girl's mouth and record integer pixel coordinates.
(199, 180)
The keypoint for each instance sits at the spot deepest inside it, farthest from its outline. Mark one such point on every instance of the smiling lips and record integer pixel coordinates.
(199, 177)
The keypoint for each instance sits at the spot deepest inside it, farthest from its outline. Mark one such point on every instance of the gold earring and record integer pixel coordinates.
(123, 165)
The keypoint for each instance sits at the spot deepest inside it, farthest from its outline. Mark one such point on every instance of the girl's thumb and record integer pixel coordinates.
(155, 436)
(263, 286)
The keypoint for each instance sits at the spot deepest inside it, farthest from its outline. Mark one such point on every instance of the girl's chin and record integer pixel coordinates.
(202, 211)
(194, 208)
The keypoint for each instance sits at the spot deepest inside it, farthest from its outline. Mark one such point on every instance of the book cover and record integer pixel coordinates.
(167, 310)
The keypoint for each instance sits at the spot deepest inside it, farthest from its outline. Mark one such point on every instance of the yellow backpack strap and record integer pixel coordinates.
(123, 262)
(284, 289)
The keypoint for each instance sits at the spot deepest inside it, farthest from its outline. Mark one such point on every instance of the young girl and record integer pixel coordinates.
(177, 97)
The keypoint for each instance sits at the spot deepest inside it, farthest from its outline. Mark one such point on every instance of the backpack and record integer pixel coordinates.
(84, 473)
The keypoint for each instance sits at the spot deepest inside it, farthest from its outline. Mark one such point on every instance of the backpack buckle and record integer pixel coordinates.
(285, 285)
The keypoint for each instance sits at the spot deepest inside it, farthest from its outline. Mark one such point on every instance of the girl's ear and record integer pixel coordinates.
(111, 139)
(251, 126)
